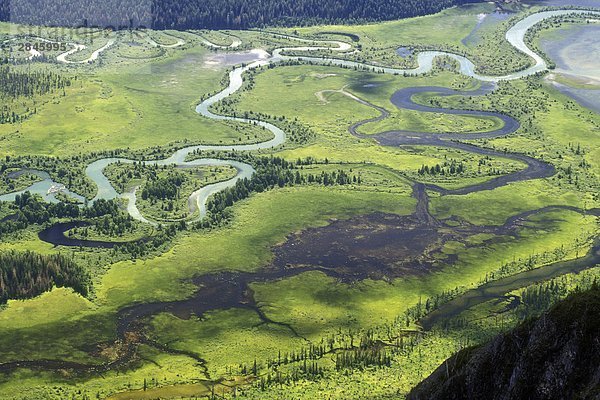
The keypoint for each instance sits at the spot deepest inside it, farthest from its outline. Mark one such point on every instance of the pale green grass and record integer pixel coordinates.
(447, 27)
(226, 338)
(157, 369)
(127, 107)
(495, 206)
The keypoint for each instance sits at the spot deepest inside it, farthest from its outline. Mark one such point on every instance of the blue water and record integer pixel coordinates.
(491, 19)
(404, 52)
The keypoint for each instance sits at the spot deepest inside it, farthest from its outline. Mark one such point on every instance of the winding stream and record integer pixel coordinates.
(514, 35)
(403, 98)
(498, 288)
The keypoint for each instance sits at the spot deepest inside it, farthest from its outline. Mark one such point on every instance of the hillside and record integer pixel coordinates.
(556, 356)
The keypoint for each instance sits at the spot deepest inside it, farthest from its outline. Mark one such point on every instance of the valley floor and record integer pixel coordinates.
(292, 213)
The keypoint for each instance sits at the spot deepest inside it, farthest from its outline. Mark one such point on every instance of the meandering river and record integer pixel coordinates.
(514, 35)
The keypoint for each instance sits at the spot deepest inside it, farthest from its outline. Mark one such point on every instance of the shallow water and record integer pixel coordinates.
(404, 52)
(229, 59)
(43, 188)
(589, 98)
(499, 288)
(55, 234)
(484, 20)
(576, 52)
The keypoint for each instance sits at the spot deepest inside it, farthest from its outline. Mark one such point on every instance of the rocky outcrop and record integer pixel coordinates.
(556, 356)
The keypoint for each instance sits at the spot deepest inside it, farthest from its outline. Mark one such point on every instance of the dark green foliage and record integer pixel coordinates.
(362, 357)
(419, 310)
(101, 207)
(36, 211)
(109, 219)
(218, 14)
(447, 168)
(237, 14)
(146, 246)
(27, 274)
(4, 10)
(29, 209)
(538, 298)
(15, 83)
(163, 188)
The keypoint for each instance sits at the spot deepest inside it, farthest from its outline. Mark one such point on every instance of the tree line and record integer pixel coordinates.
(214, 14)
(16, 83)
(270, 172)
(538, 298)
(242, 14)
(27, 274)
(363, 357)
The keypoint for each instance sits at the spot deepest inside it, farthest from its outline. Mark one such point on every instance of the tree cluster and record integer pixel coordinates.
(163, 188)
(30, 209)
(16, 84)
(362, 357)
(538, 298)
(108, 218)
(447, 168)
(27, 274)
(143, 247)
(271, 172)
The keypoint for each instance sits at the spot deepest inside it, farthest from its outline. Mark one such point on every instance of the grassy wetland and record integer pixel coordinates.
(308, 233)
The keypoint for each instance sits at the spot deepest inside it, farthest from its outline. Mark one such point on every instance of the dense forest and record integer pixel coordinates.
(215, 14)
(246, 14)
(27, 274)
(4, 10)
